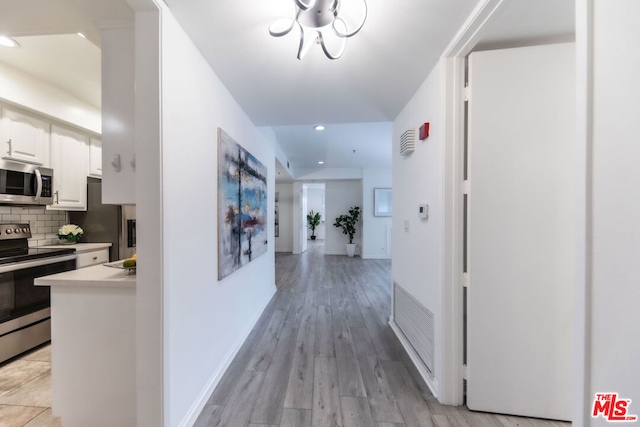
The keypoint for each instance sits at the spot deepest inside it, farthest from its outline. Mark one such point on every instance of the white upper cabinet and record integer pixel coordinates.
(118, 121)
(69, 161)
(95, 158)
(24, 138)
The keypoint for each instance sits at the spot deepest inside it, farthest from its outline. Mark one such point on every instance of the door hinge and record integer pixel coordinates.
(466, 186)
(467, 92)
(465, 280)
(465, 372)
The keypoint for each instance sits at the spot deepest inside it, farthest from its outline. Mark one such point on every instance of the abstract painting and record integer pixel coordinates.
(276, 221)
(242, 206)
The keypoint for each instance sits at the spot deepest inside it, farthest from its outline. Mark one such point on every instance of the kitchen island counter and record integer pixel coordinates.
(95, 276)
(93, 323)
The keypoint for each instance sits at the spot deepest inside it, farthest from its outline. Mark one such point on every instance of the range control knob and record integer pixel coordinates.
(16, 230)
(28, 230)
(9, 231)
(24, 230)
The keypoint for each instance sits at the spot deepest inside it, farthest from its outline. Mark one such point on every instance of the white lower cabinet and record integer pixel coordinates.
(87, 259)
(69, 161)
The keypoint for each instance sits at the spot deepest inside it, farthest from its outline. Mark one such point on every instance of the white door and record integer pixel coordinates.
(521, 233)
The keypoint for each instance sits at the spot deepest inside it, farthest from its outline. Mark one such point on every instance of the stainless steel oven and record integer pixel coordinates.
(24, 308)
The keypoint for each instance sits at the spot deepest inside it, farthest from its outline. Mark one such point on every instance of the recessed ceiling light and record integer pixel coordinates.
(318, 127)
(8, 42)
(321, 162)
(81, 35)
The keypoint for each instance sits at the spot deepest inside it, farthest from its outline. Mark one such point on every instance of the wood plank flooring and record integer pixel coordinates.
(322, 354)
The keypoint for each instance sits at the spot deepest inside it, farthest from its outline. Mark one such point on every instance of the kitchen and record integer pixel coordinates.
(46, 128)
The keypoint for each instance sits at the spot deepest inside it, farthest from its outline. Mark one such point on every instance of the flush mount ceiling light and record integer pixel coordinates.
(319, 19)
(318, 127)
(8, 42)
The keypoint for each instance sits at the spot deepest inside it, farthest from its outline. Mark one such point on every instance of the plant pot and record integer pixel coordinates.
(66, 241)
(351, 249)
(313, 237)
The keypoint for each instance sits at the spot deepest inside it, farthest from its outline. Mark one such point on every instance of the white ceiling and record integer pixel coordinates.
(379, 72)
(66, 61)
(343, 145)
(356, 96)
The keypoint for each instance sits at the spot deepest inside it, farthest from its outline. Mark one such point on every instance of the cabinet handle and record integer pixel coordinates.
(56, 202)
(116, 163)
(9, 142)
(95, 258)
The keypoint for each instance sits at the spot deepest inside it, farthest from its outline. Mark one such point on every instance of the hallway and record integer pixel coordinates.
(322, 354)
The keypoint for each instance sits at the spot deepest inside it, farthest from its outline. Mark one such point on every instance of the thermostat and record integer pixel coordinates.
(423, 211)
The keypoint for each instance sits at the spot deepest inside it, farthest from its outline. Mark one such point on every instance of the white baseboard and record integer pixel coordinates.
(196, 408)
(374, 256)
(432, 383)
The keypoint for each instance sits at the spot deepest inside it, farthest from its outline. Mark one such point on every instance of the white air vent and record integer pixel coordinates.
(416, 323)
(408, 142)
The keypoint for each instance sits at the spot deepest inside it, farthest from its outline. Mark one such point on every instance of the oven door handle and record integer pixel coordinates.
(6, 268)
(38, 185)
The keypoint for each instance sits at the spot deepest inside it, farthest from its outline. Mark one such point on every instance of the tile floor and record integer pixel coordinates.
(25, 390)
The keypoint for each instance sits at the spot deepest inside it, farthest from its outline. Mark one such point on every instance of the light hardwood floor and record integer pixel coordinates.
(322, 354)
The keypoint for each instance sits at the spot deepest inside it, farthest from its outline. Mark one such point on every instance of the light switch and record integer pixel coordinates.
(423, 211)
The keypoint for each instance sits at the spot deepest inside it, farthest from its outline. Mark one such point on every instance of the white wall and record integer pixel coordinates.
(374, 228)
(22, 89)
(150, 351)
(418, 178)
(321, 174)
(205, 320)
(315, 198)
(339, 197)
(613, 203)
(284, 243)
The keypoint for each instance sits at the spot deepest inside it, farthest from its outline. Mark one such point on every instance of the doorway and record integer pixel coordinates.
(484, 30)
(315, 216)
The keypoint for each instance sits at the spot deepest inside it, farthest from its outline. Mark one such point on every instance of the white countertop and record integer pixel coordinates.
(81, 247)
(95, 276)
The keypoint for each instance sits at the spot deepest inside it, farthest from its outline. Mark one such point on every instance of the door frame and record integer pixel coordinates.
(452, 391)
(454, 56)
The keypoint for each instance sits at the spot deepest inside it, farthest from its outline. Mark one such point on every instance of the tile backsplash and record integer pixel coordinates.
(44, 224)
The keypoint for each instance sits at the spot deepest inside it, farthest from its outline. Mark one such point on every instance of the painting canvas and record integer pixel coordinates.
(242, 206)
(276, 221)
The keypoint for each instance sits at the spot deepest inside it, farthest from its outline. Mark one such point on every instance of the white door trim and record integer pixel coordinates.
(582, 397)
(452, 392)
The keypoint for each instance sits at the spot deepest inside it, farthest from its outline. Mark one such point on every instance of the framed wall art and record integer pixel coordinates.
(382, 201)
(242, 206)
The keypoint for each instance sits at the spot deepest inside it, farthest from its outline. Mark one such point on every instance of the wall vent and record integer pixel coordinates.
(416, 324)
(408, 142)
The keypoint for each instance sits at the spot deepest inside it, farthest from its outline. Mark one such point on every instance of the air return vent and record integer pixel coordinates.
(416, 324)
(408, 142)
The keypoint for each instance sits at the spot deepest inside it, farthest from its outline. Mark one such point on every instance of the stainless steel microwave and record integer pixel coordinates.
(23, 184)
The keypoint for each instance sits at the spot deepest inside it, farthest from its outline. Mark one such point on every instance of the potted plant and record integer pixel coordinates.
(348, 225)
(69, 234)
(313, 221)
